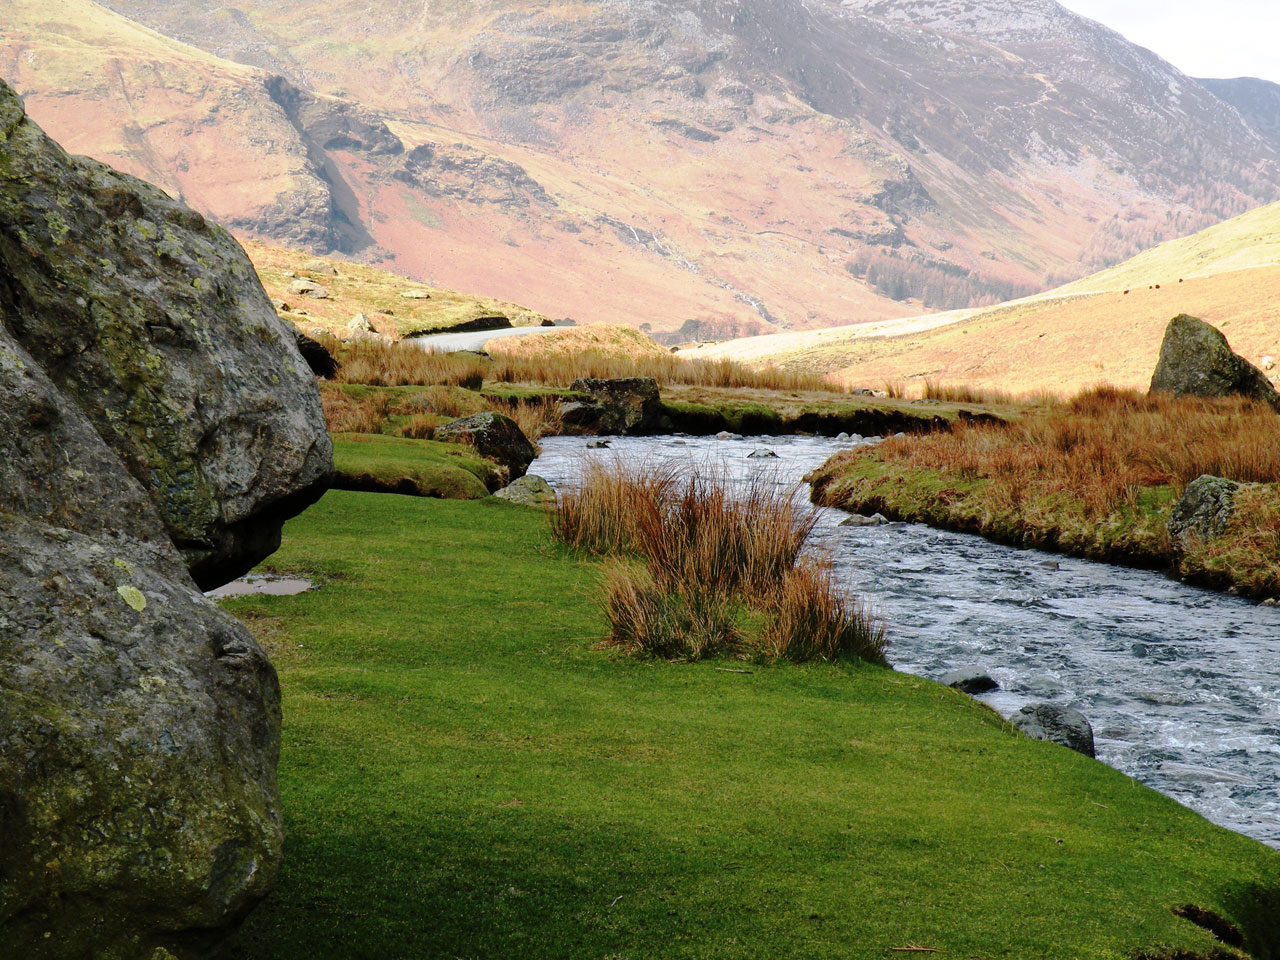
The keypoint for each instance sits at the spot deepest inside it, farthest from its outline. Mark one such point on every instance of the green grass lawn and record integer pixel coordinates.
(465, 776)
(422, 468)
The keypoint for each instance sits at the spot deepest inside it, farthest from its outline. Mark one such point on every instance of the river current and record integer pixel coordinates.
(1182, 685)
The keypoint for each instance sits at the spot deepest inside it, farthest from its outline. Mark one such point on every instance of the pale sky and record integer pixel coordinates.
(1202, 38)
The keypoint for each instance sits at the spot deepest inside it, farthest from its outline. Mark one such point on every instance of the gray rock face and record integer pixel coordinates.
(156, 422)
(1203, 511)
(970, 680)
(494, 436)
(625, 406)
(530, 490)
(140, 730)
(1196, 360)
(1061, 725)
(153, 322)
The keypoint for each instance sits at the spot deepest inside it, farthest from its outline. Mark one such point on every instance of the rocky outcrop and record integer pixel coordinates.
(494, 436)
(1060, 725)
(156, 422)
(1196, 360)
(1202, 512)
(625, 406)
(153, 322)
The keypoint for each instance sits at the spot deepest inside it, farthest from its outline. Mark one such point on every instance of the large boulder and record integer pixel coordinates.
(495, 436)
(1202, 512)
(1196, 360)
(625, 406)
(152, 321)
(156, 423)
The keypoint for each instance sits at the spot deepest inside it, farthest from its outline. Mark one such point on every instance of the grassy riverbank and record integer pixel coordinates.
(1096, 476)
(466, 775)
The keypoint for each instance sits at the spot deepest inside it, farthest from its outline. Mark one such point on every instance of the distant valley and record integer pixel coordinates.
(698, 169)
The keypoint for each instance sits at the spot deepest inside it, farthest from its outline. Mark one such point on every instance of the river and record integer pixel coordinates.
(1182, 685)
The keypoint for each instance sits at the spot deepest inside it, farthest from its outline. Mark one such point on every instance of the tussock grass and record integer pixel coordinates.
(708, 558)
(1105, 446)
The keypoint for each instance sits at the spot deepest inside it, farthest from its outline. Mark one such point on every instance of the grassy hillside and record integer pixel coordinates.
(353, 288)
(466, 775)
(1103, 329)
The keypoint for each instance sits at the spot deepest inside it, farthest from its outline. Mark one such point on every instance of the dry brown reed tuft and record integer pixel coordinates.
(344, 413)
(708, 555)
(1106, 445)
(809, 619)
(384, 364)
(537, 417)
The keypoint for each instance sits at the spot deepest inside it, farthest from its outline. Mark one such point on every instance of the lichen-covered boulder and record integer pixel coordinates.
(139, 732)
(152, 321)
(495, 436)
(1196, 360)
(1202, 512)
(156, 423)
(530, 490)
(630, 405)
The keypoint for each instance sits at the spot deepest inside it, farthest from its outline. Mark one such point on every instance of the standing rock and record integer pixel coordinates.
(494, 436)
(1196, 360)
(1203, 511)
(156, 422)
(1061, 725)
(153, 322)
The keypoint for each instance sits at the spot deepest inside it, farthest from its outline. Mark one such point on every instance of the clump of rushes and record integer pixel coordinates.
(698, 562)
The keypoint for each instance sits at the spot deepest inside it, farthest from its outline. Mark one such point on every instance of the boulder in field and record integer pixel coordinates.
(317, 355)
(1196, 360)
(530, 490)
(156, 423)
(1202, 512)
(1060, 725)
(152, 321)
(495, 436)
(308, 288)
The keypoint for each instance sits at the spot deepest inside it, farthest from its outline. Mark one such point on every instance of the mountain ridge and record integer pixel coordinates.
(706, 168)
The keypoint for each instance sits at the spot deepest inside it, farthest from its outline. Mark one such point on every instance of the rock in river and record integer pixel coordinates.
(970, 680)
(157, 423)
(1061, 725)
(625, 406)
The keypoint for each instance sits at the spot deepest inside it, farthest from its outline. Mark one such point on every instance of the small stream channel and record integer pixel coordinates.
(1182, 685)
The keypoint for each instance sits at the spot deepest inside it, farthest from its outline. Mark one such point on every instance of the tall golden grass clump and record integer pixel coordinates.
(385, 364)
(703, 560)
(1105, 446)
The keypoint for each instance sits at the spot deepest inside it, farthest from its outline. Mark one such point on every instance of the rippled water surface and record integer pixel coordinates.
(1182, 685)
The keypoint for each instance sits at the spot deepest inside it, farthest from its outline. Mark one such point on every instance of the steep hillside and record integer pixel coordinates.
(1105, 328)
(1257, 100)
(702, 167)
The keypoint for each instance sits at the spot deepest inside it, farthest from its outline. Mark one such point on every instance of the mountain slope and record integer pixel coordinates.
(1104, 329)
(1258, 101)
(711, 166)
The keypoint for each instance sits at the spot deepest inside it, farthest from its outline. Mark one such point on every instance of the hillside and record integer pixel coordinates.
(1106, 328)
(701, 168)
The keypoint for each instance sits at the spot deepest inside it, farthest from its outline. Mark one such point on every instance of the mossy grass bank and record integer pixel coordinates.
(465, 773)
(1096, 476)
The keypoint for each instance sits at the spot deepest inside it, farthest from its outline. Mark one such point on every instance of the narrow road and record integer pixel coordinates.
(451, 342)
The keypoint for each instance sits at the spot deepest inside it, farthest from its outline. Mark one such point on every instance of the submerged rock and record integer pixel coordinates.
(1196, 360)
(530, 490)
(1061, 725)
(157, 423)
(970, 680)
(762, 454)
(494, 436)
(857, 520)
(153, 323)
